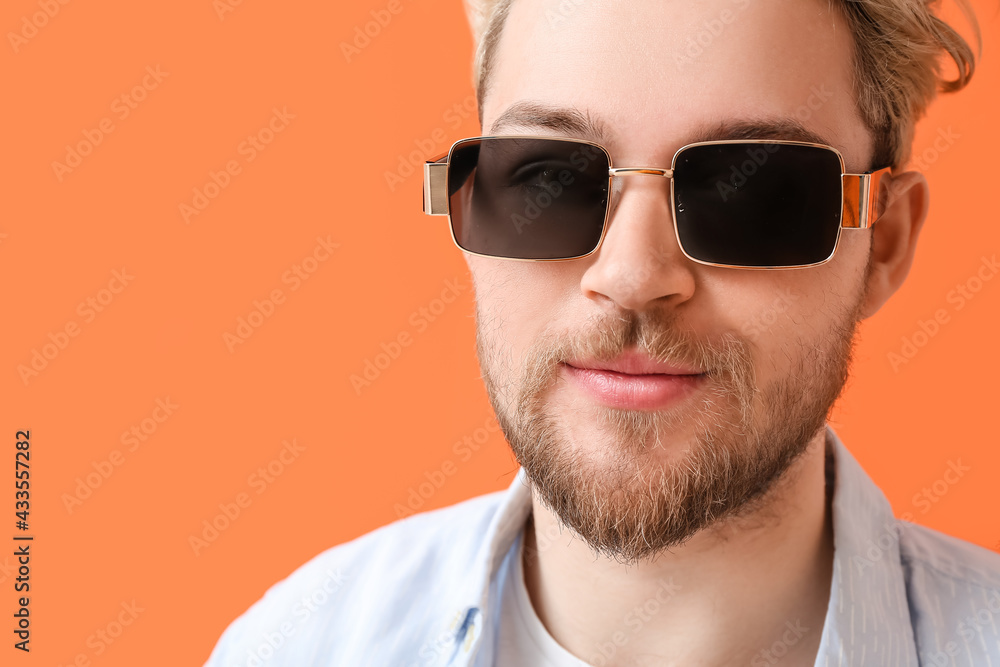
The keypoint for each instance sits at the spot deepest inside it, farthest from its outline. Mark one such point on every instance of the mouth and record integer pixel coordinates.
(634, 382)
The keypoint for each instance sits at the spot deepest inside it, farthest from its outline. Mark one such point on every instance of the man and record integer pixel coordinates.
(684, 212)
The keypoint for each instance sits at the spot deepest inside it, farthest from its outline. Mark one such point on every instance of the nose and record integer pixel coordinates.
(640, 264)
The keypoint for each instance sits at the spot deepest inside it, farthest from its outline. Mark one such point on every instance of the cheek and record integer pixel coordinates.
(782, 316)
(517, 301)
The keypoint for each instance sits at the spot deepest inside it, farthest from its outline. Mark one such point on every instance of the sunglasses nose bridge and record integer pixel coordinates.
(617, 185)
(631, 171)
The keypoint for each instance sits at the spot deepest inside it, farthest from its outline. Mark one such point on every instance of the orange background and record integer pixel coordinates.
(323, 175)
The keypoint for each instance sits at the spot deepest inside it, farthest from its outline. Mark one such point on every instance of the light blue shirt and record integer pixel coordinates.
(425, 590)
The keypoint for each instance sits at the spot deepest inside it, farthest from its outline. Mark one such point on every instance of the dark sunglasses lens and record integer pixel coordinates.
(527, 198)
(758, 204)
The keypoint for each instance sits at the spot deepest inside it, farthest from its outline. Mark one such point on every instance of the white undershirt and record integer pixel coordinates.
(523, 641)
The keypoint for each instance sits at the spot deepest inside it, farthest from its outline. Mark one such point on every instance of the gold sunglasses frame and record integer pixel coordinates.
(862, 194)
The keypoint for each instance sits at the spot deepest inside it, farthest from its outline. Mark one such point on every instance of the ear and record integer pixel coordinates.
(894, 238)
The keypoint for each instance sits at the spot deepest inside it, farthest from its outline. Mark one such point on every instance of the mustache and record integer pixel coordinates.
(726, 359)
(604, 337)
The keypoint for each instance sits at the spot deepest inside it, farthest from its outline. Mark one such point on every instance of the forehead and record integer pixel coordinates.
(654, 75)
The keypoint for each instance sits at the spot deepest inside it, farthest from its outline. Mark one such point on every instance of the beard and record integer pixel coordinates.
(628, 482)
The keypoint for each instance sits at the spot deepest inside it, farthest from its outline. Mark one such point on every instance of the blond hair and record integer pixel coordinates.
(897, 65)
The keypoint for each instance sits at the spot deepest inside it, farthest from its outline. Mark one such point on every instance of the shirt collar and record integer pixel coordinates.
(867, 619)
(469, 623)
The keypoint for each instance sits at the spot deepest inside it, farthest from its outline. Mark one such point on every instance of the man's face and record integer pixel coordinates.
(773, 346)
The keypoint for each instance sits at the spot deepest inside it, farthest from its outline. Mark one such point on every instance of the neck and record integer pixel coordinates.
(745, 591)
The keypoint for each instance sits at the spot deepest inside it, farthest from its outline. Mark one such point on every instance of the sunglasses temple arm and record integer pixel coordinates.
(865, 198)
(436, 186)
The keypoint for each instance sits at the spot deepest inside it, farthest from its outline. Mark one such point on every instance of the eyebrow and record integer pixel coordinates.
(580, 124)
(788, 129)
(530, 115)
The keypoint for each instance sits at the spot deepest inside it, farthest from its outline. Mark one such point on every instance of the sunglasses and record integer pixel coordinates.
(751, 204)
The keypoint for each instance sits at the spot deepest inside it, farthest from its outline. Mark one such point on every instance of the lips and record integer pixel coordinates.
(634, 381)
(633, 362)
